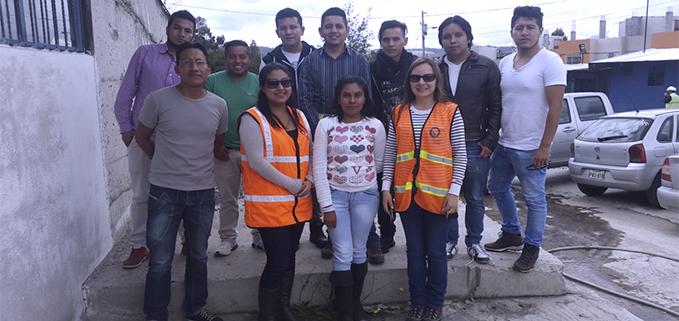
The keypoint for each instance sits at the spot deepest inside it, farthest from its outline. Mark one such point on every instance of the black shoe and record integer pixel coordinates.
(203, 315)
(267, 304)
(326, 252)
(387, 244)
(415, 314)
(375, 255)
(431, 314)
(528, 257)
(283, 310)
(506, 241)
(317, 236)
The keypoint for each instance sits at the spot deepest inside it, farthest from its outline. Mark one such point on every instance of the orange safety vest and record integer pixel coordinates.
(429, 169)
(268, 204)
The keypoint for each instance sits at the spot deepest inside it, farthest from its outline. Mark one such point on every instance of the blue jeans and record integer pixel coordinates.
(426, 252)
(355, 213)
(472, 188)
(507, 163)
(166, 209)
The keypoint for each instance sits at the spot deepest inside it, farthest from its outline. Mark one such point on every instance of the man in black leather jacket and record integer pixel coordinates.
(472, 82)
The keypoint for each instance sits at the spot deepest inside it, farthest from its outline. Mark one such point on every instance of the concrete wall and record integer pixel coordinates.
(64, 184)
(119, 28)
(55, 222)
(665, 40)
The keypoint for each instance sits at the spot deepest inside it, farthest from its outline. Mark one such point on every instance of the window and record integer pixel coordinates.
(590, 108)
(656, 75)
(565, 113)
(556, 43)
(666, 130)
(574, 58)
(44, 24)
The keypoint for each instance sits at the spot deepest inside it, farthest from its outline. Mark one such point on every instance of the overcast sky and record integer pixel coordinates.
(490, 19)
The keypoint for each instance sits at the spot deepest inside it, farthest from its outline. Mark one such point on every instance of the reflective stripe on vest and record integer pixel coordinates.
(436, 158)
(674, 103)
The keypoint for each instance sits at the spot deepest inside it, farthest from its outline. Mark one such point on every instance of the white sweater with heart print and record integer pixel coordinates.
(347, 156)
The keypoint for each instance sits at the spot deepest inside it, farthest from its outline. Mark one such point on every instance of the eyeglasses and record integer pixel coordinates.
(188, 63)
(272, 83)
(427, 77)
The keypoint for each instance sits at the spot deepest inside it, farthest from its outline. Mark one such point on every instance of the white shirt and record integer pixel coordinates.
(453, 74)
(293, 58)
(524, 100)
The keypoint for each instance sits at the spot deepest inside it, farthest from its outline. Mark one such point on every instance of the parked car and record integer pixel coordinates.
(626, 151)
(668, 192)
(579, 111)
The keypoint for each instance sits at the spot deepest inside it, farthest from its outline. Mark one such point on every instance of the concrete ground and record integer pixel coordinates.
(475, 292)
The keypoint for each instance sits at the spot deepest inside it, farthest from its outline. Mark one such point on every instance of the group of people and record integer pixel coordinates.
(325, 137)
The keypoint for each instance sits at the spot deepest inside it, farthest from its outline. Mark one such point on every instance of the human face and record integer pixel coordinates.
(192, 67)
(392, 43)
(277, 96)
(454, 41)
(526, 33)
(237, 61)
(179, 32)
(352, 99)
(290, 32)
(422, 89)
(334, 31)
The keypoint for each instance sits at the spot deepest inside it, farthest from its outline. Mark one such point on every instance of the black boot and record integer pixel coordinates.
(267, 304)
(316, 234)
(359, 271)
(283, 311)
(342, 286)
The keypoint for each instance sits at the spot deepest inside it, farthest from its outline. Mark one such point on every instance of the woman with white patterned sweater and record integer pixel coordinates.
(348, 152)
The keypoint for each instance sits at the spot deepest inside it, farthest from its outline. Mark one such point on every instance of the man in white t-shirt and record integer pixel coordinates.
(533, 82)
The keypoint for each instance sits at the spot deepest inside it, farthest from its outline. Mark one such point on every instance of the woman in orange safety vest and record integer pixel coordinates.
(425, 159)
(275, 149)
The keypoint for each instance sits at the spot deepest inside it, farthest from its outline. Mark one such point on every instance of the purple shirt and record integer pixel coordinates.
(151, 68)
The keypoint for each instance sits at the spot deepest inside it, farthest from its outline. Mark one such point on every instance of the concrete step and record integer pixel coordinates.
(113, 293)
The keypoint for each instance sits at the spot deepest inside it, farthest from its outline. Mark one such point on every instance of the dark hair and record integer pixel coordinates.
(194, 45)
(236, 43)
(389, 24)
(409, 96)
(334, 11)
(464, 25)
(182, 14)
(529, 12)
(288, 13)
(263, 102)
(368, 109)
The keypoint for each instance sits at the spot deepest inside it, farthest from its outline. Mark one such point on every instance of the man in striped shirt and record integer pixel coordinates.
(318, 73)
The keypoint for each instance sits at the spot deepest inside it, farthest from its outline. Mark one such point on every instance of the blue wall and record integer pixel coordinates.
(628, 91)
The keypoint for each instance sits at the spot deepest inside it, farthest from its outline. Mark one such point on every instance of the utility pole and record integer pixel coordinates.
(424, 32)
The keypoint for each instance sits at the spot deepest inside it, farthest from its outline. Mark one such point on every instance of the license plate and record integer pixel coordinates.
(597, 175)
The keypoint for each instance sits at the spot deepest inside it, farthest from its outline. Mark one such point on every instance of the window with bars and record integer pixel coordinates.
(45, 24)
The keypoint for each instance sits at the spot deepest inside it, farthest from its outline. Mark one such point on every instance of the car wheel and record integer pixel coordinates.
(591, 190)
(652, 193)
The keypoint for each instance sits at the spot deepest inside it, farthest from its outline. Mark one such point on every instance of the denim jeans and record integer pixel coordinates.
(280, 244)
(355, 213)
(472, 188)
(166, 209)
(426, 252)
(387, 227)
(507, 163)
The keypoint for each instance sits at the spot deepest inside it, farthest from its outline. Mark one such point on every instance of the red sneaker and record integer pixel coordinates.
(136, 258)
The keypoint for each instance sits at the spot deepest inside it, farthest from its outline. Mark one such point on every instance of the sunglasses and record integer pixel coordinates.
(272, 83)
(427, 77)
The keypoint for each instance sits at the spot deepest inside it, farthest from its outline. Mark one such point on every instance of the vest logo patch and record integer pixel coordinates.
(435, 132)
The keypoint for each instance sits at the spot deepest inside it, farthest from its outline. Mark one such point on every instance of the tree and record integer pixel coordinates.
(213, 44)
(256, 58)
(559, 32)
(359, 34)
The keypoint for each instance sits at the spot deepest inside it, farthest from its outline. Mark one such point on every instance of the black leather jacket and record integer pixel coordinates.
(478, 97)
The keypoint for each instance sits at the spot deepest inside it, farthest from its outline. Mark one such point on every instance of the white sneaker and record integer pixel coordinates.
(479, 255)
(451, 250)
(225, 248)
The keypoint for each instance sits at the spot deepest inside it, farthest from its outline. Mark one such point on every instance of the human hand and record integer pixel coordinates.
(306, 188)
(485, 151)
(387, 202)
(127, 138)
(541, 157)
(330, 219)
(222, 153)
(450, 204)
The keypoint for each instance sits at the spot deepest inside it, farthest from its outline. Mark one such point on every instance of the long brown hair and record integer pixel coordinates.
(409, 96)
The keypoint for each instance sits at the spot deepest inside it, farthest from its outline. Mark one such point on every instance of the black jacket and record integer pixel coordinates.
(276, 55)
(387, 78)
(478, 97)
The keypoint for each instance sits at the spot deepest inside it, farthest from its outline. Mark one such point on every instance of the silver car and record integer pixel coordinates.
(668, 193)
(626, 151)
